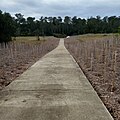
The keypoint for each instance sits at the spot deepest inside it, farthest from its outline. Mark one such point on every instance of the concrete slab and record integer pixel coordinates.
(54, 88)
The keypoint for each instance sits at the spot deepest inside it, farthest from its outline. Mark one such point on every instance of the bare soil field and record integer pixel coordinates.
(99, 58)
(19, 55)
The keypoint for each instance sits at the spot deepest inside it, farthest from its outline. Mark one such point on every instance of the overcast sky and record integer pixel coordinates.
(80, 8)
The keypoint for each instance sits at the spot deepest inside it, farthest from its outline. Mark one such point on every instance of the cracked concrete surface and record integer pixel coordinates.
(54, 88)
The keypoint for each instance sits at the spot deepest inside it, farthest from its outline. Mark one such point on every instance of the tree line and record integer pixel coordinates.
(56, 26)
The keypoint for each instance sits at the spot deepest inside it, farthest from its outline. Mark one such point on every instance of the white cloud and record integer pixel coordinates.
(7, 3)
(81, 8)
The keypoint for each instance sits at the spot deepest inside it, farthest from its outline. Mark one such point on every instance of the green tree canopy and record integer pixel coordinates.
(7, 27)
(46, 26)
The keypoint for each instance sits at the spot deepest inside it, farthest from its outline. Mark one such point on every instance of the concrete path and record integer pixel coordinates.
(54, 88)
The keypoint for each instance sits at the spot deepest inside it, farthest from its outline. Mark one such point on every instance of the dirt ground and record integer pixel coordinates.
(102, 76)
(17, 56)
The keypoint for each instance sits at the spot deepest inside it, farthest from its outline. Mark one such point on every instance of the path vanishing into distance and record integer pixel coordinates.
(54, 88)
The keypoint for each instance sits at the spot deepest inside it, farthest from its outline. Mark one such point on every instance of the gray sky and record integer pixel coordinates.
(80, 8)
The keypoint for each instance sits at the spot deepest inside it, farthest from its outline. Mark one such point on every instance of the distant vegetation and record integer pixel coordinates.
(57, 26)
(7, 27)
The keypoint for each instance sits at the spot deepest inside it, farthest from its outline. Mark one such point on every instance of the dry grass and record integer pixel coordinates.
(99, 57)
(92, 37)
(32, 39)
(18, 55)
